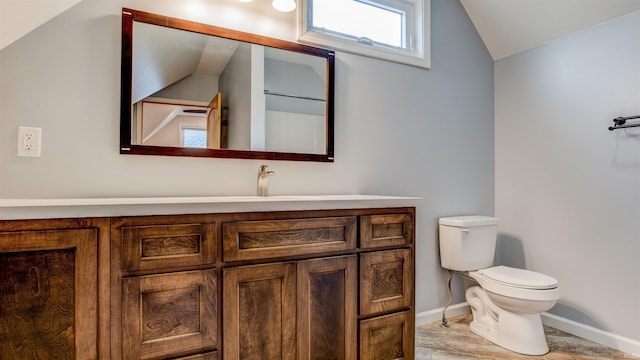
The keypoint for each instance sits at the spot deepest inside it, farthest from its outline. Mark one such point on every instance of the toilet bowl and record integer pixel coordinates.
(505, 302)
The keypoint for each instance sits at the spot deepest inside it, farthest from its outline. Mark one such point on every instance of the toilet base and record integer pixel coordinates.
(521, 333)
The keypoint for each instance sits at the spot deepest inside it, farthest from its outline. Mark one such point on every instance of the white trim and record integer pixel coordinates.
(427, 317)
(621, 343)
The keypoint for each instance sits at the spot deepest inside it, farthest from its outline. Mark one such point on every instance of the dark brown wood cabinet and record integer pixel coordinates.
(320, 284)
(259, 314)
(327, 308)
(293, 310)
(164, 293)
(49, 303)
(388, 337)
(250, 240)
(386, 281)
(169, 314)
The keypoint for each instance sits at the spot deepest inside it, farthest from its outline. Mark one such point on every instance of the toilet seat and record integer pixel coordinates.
(520, 278)
(517, 283)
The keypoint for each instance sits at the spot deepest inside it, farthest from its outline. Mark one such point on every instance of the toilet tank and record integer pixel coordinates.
(467, 243)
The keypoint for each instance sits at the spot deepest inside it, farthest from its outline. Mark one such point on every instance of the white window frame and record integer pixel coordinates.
(419, 19)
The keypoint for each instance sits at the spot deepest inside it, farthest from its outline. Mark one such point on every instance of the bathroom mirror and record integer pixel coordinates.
(191, 89)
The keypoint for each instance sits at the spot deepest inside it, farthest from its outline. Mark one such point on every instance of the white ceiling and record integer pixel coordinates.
(508, 27)
(19, 17)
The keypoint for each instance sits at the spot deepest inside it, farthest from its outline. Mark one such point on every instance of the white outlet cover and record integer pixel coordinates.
(29, 141)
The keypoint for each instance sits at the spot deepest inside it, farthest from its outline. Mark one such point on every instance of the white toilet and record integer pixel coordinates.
(505, 302)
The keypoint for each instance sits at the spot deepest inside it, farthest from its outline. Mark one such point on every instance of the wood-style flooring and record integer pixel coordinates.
(458, 342)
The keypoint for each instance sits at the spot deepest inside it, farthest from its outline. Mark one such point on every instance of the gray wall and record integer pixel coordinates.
(567, 189)
(400, 130)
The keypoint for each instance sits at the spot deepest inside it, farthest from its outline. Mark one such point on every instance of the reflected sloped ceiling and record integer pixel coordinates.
(163, 56)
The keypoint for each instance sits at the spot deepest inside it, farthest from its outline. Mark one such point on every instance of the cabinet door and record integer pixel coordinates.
(169, 314)
(48, 294)
(389, 337)
(259, 312)
(327, 319)
(386, 281)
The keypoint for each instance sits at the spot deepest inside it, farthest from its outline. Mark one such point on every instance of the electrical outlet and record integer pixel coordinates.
(29, 141)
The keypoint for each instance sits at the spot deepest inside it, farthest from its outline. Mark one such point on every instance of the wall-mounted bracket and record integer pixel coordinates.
(621, 122)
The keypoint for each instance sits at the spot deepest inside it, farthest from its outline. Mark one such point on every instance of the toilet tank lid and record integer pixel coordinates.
(468, 221)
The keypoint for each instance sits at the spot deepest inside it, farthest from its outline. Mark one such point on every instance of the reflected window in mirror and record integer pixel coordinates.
(253, 97)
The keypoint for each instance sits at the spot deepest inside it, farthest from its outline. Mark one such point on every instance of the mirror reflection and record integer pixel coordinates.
(196, 94)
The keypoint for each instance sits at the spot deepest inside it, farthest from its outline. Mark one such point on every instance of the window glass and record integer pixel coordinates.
(360, 21)
(395, 30)
(194, 138)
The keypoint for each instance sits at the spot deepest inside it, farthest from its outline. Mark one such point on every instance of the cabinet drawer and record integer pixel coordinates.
(388, 337)
(208, 356)
(386, 230)
(169, 314)
(250, 240)
(167, 246)
(386, 281)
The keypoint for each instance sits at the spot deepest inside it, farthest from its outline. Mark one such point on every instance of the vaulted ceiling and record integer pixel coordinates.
(506, 26)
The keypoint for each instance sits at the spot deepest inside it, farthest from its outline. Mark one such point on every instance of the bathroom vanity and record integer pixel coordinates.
(301, 282)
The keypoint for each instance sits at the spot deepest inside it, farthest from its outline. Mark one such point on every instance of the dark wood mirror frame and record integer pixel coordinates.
(126, 145)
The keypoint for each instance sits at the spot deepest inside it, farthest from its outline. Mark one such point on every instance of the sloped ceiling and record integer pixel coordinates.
(508, 27)
(19, 17)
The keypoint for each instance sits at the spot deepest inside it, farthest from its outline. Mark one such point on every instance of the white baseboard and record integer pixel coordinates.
(434, 315)
(621, 343)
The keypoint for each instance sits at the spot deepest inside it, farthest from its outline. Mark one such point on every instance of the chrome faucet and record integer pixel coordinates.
(263, 177)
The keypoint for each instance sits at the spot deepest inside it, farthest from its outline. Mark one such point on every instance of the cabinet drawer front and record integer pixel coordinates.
(167, 246)
(169, 314)
(276, 238)
(386, 230)
(386, 281)
(208, 356)
(388, 337)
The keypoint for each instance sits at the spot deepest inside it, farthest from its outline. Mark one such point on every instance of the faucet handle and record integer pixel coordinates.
(263, 167)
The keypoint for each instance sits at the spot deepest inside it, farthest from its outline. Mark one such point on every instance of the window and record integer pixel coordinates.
(193, 137)
(395, 30)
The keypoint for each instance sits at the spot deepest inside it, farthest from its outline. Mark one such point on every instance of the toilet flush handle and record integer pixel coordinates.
(465, 230)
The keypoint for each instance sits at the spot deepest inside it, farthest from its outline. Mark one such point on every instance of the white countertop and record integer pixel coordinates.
(13, 209)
